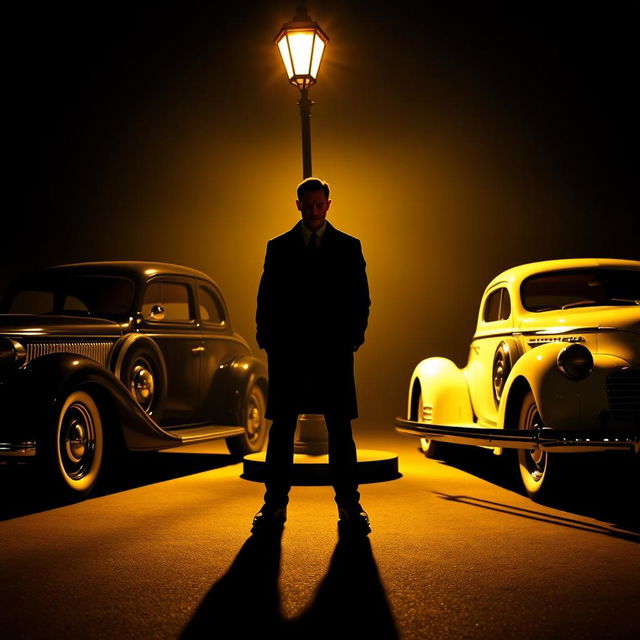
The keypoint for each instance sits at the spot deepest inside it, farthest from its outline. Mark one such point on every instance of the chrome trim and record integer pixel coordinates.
(543, 438)
(94, 349)
(20, 351)
(498, 333)
(17, 449)
(535, 342)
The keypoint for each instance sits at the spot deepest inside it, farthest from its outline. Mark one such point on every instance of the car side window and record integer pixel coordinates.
(492, 306)
(505, 305)
(173, 297)
(211, 309)
(37, 302)
(497, 306)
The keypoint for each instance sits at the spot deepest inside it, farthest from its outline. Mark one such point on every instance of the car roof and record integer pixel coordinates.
(523, 271)
(138, 269)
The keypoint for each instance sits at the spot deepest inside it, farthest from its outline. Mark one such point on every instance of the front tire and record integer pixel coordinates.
(76, 445)
(255, 423)
(542, 474)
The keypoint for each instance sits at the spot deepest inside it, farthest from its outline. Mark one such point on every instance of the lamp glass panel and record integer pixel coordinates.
(284, 53)
(301, 43)
(318, 50)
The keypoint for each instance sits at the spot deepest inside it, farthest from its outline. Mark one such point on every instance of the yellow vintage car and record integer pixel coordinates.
(553, 368)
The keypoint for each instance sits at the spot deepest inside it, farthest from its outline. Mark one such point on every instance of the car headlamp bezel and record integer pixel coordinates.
(575, 362)
(12, 353)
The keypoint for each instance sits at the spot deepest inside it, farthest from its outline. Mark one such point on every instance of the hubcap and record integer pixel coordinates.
(254, 420)
(536, 459)
(77, 440)
(498, 377)
(142, 384)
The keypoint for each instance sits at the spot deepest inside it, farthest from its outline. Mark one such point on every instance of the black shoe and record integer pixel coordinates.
(270, 516)
(355, 518)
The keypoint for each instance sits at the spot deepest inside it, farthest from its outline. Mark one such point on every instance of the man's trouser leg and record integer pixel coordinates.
(279, 459)
(343, 461)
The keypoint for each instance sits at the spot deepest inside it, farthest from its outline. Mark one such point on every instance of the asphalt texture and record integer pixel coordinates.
(456, 551)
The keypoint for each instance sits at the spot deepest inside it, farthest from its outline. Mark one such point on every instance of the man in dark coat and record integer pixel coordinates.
(313, 306)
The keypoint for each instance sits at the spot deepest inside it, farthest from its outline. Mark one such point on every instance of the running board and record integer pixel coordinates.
(544, 438)
(191, 434)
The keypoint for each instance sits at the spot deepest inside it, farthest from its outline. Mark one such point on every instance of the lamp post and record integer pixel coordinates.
(301, 43)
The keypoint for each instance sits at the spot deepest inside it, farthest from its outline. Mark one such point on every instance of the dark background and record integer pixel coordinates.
(459, 139)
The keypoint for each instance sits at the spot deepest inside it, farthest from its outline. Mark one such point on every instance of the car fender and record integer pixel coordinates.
(38, 389)
(562, 403)
(123, 345)
(231, 385)
(444, 389)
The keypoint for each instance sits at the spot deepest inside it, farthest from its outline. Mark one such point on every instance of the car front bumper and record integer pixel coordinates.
(544, 438)
(17, 449)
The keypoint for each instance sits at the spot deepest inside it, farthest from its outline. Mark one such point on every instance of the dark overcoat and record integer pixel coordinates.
(312, 314)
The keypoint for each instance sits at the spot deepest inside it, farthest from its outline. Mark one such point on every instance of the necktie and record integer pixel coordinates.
(312, 247)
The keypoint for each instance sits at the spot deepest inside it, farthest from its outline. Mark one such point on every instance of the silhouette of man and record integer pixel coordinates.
(313, 306)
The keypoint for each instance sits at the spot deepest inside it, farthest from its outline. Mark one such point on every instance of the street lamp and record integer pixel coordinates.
(301, 43)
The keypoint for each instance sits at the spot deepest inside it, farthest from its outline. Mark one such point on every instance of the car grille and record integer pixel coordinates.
(96, 350)
(427, 414)
(623, 393)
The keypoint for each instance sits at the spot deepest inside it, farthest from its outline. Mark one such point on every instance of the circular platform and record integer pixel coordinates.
(373, 466)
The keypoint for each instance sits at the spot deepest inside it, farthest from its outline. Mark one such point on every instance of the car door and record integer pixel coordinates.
(495, 325)
(218, 342)
(178, 336)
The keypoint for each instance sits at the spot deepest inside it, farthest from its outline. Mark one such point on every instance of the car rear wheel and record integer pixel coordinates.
(255, 423)
(542, 473)
(76, 445)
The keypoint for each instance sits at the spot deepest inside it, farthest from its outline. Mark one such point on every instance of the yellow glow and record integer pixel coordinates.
(284, 54)
(318, 50)
(300, 44)
(150, 272)
(301, 51)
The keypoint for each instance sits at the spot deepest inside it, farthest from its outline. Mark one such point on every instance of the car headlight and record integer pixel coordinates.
(575, 362)
(12, 354)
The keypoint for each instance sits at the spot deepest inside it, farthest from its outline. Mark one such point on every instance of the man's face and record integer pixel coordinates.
(313, 207)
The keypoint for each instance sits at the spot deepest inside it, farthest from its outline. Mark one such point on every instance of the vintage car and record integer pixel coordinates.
(553, 368)
(103, 357)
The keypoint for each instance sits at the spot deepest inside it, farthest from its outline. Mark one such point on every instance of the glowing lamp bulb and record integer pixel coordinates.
(301, 43)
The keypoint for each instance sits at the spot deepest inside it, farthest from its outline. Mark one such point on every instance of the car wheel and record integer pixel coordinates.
(502, 365)
(430, 448)
(542, 474)
(76, 445)
(143, 375)
(255, 423)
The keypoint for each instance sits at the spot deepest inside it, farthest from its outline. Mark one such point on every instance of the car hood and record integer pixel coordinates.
(621, 318)
(34, 326)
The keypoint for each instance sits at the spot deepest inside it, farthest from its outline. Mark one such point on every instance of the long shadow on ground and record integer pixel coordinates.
(599, 486)
(350, 602)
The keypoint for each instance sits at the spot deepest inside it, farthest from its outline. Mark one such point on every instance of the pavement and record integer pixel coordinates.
(456, 551)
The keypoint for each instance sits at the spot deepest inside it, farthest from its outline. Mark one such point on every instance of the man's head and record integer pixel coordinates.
(313, 202)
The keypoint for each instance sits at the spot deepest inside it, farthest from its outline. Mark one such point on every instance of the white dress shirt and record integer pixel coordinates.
(307, 233)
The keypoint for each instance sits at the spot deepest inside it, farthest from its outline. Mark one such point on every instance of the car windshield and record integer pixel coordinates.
(70, 294)
(581, 288)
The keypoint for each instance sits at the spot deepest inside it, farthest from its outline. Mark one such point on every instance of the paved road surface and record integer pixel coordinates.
(455, 552)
